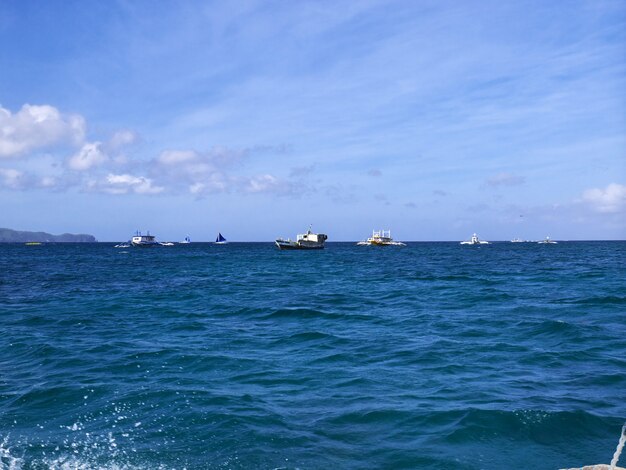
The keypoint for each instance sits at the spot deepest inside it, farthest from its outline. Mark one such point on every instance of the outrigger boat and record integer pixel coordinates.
(474, 241)
(380, 238)
(306, 241)
(143, 240)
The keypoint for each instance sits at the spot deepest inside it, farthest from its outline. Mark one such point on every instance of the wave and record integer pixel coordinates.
(533, 425)
(602, 300)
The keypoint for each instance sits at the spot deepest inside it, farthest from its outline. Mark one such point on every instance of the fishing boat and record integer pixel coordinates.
(380, 238)
(186, 240)
(474, 241)
(220, 240)
(547, 241)
(143, 240)
(305, 241)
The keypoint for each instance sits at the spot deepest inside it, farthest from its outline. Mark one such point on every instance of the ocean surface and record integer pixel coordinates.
(429, 356)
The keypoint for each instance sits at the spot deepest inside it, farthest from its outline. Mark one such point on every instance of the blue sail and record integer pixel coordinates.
(219, 238)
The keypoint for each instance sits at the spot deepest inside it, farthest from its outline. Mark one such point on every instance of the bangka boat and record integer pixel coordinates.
(220, 240)
(474, 241)
(143, 240)
(380, 238)
(306, 241)
(548, 241)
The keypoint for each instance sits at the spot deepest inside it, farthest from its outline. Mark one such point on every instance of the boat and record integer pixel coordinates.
(143, 240)
(380, 238)
(32, 243)
(122, 245)
(306, 241)
(547, 241)
(616, 455)
(220, 240)
(166, 243)
(517, 240)
(474, 241)
(186, 240)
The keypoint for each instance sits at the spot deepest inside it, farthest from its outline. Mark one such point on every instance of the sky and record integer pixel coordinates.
(435, 119)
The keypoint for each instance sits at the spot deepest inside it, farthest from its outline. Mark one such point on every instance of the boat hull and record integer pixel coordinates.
(290, 245)
(144, 245)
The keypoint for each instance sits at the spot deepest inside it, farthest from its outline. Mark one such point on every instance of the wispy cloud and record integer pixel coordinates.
(125, 184)
(505, 179)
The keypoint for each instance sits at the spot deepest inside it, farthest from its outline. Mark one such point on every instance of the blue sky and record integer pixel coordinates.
(256, 119)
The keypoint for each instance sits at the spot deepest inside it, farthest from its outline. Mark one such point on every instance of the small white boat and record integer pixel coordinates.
(186, 240)
(220, 240)
(548, 241)
(306, 241)
(166, 244)
(517, 240)
(380, 238)
(474, 241)
(143, 240)
(122, 245)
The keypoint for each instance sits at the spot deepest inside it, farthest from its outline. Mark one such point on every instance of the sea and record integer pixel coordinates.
(241, 356)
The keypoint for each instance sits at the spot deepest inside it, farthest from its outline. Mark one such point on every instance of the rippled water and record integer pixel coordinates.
(434, 355)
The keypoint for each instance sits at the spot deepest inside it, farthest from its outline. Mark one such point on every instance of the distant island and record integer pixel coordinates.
(14, 236)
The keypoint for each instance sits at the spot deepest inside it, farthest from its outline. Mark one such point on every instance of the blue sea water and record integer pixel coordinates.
(429, 356)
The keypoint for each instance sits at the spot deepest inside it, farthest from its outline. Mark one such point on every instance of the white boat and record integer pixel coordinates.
(380, 238)
(122, 245)
(220, 240)
(306, 241)
(474, 241)
(186, 240)
(517, 240)
(166, 244)
(547, 241)
(143, 240)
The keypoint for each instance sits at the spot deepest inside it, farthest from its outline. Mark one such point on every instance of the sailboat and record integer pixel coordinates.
(186, 240)
(220, 240)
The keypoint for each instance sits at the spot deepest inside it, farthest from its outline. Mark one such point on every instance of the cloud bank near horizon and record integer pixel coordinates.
(53, 153)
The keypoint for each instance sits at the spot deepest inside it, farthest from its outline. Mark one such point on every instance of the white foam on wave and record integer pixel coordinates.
(75, 458)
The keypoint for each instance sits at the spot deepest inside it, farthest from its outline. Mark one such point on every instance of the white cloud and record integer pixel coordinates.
(34, 127)
(125, 183)
(175, 157)
(11, 178)
(262, 183)
(121, 139)
(90, 155)
(198, 172)
(611, 199)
